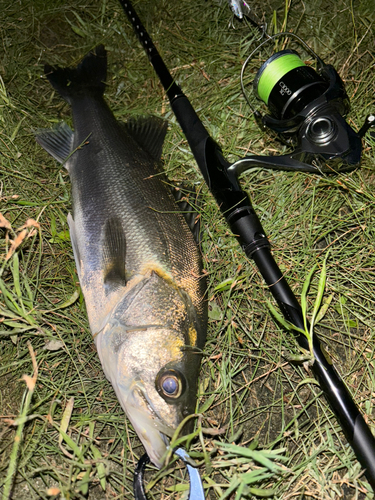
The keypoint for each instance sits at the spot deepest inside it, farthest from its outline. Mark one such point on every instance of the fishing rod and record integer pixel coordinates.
(221, 178)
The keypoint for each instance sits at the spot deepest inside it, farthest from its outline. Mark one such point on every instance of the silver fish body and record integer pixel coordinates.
(138, 264)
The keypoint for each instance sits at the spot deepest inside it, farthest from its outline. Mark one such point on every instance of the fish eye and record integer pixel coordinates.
(170, 384)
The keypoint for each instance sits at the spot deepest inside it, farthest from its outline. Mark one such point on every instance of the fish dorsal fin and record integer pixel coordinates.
(58, 141)
(149, 133)
(188, 202)
(114, 254)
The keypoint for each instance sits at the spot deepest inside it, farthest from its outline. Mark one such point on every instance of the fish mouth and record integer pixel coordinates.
(149, 426)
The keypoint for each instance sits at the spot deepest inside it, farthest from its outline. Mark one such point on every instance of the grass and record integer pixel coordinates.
(265, 429)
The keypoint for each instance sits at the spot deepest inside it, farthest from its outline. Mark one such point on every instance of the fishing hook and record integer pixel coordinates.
(196, 491)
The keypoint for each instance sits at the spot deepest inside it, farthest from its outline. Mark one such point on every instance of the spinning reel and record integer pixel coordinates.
(307, 109)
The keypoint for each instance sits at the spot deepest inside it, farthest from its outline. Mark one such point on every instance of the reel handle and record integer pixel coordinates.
(369, 123)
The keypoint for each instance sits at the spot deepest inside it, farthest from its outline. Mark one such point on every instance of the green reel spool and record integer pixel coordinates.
(286, 85)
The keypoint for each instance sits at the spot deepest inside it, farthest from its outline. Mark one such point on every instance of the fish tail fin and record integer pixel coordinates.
(88, 77)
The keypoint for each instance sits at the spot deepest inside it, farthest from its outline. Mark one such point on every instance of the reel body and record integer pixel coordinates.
(307, 109)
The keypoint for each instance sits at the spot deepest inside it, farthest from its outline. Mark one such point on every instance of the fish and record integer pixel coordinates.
(139, 267)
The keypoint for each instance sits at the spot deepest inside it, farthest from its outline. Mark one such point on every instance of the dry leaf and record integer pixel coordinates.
(31, 381)
(54, 345)
(9, 421)
(53, 491)
(16, 243)
(30, 223)
(4, 222)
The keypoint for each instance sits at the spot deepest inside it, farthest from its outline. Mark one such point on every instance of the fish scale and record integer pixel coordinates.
(138, 264)
(159, 234)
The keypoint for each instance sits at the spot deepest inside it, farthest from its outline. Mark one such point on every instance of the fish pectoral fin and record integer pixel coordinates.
(58, 142)
(114, 254)
(73, 239)
(149, 133)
